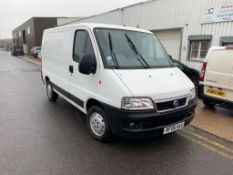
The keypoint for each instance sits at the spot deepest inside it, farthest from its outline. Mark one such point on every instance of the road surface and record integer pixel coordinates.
(38, 137)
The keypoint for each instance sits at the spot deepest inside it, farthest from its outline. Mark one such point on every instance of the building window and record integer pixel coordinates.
(226, 40)
(198, 47)
(29, 31)
(24, 36)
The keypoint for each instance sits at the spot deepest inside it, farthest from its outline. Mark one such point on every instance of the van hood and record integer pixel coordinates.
(160, 83)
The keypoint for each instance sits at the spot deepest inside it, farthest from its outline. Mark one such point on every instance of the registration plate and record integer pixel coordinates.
(216, 92)
(173, 128)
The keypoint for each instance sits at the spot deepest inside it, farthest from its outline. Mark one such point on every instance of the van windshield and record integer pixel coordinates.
(125, 49)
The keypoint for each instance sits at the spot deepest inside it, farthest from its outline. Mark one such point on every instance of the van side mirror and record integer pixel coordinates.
(87, 64)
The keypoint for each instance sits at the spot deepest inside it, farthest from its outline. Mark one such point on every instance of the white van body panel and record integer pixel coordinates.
(152, 82)
(55, 57)
(112, 89)
(219, 72)
(106, 85)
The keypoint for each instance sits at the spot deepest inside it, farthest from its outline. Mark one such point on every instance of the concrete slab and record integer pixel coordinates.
(216, 121)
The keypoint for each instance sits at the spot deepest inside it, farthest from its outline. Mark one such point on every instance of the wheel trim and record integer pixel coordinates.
(97, 124)
(49, 90)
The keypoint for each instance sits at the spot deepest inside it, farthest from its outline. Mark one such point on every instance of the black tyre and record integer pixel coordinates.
(98, 124)
(51, 94)
(208, 104)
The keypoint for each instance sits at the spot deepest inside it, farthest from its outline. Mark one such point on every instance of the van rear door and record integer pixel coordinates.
(218, 76)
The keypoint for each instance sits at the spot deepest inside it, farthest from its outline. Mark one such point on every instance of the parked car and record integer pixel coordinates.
(120, 77)
(34, 51)
(17, 50)
(216, 78)
(190, 72)
(39, 54)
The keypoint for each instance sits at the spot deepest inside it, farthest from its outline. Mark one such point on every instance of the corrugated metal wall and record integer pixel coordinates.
(161, 14)
(170, 14)
(113, 17)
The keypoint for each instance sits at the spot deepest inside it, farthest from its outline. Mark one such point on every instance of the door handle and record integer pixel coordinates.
(71, 69)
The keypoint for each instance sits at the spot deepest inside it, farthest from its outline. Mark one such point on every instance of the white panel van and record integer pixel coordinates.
(120, 77)
(216, 78)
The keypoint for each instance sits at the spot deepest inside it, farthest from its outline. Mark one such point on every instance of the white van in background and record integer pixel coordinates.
(120, 77)
(216, 78)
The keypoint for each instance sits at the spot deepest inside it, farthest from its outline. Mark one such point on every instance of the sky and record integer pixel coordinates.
(15, 12)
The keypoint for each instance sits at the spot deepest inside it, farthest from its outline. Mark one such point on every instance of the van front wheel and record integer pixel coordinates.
(98, 124)
(51, 94)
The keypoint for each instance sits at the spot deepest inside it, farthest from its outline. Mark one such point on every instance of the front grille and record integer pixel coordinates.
(172, 104)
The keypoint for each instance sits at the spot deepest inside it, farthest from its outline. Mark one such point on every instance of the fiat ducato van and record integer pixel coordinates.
(120, 77)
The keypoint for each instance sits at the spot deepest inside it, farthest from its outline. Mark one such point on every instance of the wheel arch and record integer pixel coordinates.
(93, 102)
(46, 79)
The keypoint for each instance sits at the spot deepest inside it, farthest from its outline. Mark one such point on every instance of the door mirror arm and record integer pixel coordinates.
(93, 65)
(170, 57)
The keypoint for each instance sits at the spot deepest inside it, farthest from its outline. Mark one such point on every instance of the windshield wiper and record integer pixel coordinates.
(139, 56)
(112, 51)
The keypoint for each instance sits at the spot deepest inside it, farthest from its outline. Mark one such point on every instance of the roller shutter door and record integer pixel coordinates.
(170, 40)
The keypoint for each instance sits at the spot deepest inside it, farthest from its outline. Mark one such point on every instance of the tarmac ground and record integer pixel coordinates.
(39, 137)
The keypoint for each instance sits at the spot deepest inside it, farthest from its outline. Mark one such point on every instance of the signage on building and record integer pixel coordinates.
(217, 14)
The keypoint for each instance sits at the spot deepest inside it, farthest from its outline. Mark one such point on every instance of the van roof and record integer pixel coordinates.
(216, 48)
(213, 48)
(97, 25)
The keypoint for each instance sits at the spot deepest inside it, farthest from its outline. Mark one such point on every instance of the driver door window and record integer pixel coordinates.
(82, 45)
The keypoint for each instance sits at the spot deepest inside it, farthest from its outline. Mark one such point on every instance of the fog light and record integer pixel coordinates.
(131, 124)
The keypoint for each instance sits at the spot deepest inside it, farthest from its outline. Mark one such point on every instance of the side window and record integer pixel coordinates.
(82, 45)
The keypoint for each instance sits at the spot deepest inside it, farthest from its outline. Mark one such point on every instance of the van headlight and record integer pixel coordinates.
(137, 103)
(192, 94)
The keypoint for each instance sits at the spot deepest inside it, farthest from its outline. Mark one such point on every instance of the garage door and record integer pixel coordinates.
(171, 41)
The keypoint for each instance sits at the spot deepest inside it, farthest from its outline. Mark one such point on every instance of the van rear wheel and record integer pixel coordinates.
(51, 94)
(98, 124)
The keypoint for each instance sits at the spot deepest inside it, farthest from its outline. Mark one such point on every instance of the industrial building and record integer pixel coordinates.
(66, 20)
(187, 28)
(29, 34)
(5, 44)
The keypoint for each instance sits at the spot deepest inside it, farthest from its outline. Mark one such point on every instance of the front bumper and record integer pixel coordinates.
(141, 124)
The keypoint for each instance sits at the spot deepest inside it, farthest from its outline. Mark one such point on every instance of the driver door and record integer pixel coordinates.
(82, 87)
